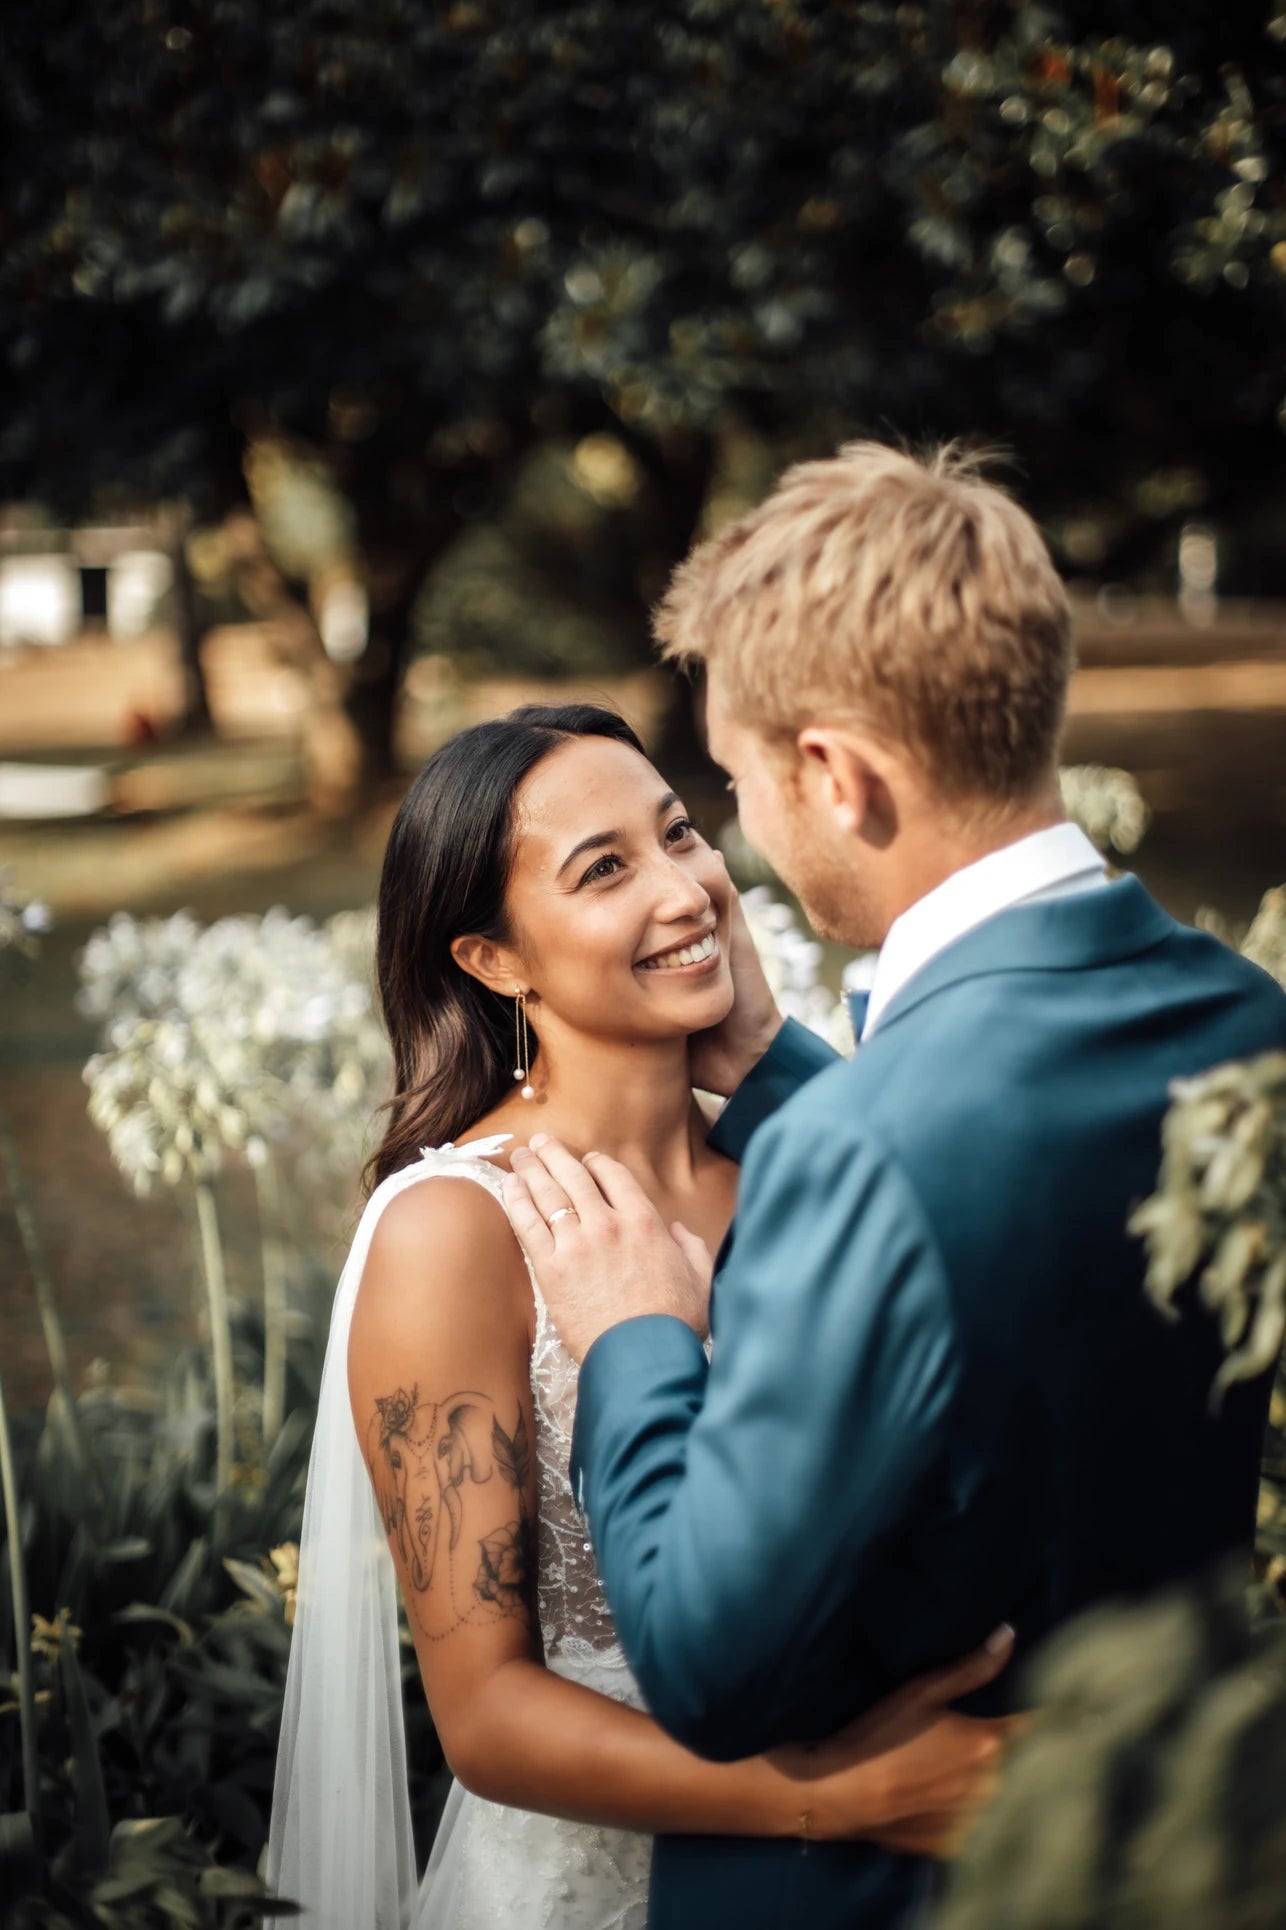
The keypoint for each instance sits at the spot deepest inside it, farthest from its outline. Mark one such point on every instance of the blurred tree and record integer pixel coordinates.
(402, 242)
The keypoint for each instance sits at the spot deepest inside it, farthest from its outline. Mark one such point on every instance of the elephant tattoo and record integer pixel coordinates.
(426, 1458)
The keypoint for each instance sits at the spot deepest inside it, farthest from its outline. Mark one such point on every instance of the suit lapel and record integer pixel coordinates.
(1066, 935)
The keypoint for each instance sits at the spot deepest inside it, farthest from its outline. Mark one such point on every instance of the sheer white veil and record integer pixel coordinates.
(340, 1840)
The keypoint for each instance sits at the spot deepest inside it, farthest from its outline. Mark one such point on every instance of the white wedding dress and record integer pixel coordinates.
(340, 1841)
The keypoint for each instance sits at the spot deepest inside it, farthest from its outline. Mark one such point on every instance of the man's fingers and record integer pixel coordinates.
(566, 1173)
(617, 1184)
(973, 1672)
(543, 1188)
(694, 1250)
(527, 1221)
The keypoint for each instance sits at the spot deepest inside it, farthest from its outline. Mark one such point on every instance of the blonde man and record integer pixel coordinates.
(938, 1400)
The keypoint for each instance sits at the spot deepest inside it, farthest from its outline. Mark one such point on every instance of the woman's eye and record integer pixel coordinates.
(681, 828)
(603, 869)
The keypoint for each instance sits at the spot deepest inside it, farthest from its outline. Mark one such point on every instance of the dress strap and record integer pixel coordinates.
(464, 1162)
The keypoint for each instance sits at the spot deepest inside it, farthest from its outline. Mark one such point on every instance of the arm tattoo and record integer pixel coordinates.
(507, 1574)
(426, 1459)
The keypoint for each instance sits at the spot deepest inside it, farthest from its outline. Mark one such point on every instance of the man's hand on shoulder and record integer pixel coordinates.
(721, 1057)
(599, 1249)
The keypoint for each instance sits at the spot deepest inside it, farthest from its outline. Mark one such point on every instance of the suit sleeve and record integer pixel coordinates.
(794, 1057)
(741, 1512)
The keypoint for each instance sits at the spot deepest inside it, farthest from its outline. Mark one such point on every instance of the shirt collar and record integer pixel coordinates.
(1059, 856)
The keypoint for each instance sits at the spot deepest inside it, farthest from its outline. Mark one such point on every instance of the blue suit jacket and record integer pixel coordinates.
(938, 1398)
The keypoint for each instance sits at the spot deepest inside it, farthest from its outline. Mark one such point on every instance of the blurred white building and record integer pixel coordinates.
(57, 584)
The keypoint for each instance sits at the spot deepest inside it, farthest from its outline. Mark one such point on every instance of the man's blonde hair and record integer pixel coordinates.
(910, 595)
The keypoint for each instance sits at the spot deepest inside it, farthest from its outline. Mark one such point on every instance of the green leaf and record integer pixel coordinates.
(183, 1589)
(147, 1832)
(223, 1883)
(19, 1861)
(179, 1908)
(127, 1548)
(130, 1883)
(253, 1582)
(92, 1825)
(141, 1613)
(281, 1906)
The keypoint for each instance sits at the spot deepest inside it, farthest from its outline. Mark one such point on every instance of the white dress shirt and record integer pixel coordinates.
(1055, 863)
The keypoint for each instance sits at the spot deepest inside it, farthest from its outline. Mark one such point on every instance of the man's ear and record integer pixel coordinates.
(850, 775)
(495, 966)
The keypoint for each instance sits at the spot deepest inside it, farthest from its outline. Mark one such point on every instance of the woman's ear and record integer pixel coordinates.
(493, 965)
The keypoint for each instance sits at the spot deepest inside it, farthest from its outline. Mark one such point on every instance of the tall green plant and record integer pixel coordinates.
(21, 1623)
(244, 1040)
(216, 1287)
(180, 1626)
(275, 1308)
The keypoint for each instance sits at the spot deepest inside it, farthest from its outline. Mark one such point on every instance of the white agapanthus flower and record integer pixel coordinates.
(1107, 804)
(160, 1095)
(229, 1036)
(791, 961)
(130, 967)
(348, 1072)
(352, 939)
(23, 921)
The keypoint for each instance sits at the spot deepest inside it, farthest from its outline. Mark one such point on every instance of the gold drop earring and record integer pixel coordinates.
(522, 1046)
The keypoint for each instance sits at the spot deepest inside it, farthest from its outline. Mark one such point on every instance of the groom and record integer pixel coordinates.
(938, 1398)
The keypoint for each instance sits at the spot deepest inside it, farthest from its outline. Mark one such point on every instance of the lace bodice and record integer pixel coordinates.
(575, 1622)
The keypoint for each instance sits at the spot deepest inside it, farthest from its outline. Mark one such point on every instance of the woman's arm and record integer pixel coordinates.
(439, 1382)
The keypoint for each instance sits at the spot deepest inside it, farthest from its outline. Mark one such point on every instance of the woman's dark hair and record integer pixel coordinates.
(445, 873)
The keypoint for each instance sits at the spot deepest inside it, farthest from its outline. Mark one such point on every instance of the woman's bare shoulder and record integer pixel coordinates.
(443, 1248)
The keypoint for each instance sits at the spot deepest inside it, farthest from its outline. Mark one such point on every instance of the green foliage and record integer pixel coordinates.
(1265, 942)
(667, 212)
(1221, 1190)
(1147, 1790)
(418, 238)
(1107, 804)
(160, 1643)
(1221, 1197)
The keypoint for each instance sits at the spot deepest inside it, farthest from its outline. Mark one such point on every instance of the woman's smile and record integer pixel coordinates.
(700, 958)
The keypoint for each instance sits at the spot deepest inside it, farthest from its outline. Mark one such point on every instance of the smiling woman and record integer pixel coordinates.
(542, 884)
(445, 872)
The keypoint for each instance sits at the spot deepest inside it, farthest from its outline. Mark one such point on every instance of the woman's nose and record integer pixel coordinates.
(682, 894)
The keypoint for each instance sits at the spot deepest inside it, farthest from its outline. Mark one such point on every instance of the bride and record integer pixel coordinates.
(553, 932)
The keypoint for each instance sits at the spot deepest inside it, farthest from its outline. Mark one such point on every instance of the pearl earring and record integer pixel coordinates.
(522, 1046)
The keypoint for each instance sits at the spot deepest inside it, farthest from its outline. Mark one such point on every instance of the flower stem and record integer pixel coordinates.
(21, 1625)
(216, 1287)
(274, 1301)
(64, 1404)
